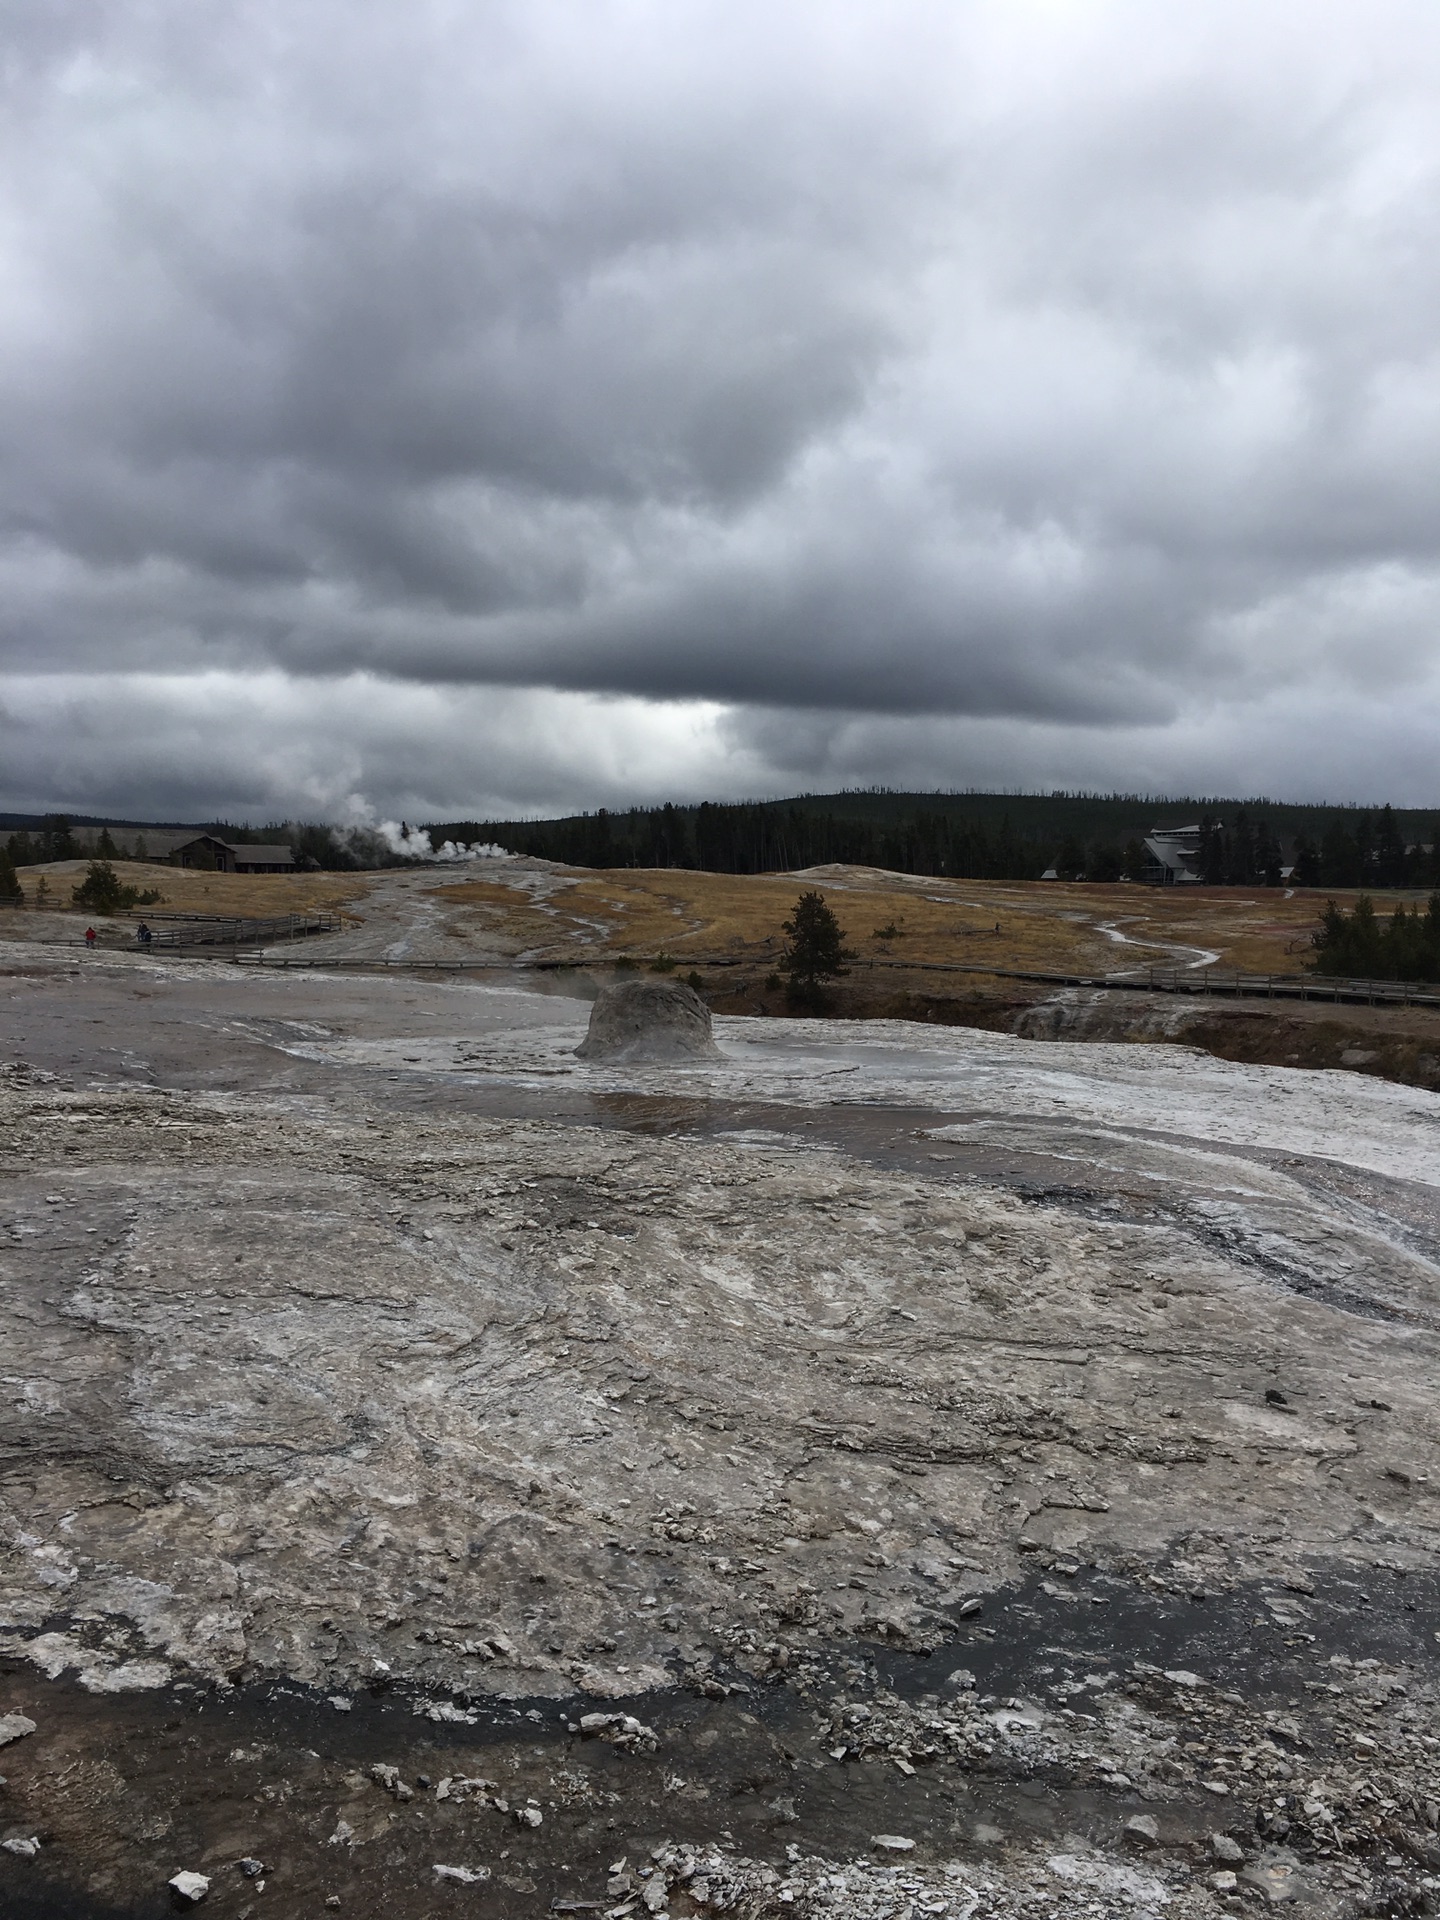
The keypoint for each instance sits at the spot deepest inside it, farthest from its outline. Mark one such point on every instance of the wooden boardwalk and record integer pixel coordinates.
(178, 931)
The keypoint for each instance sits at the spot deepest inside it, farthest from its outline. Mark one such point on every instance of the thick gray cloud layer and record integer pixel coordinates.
(538, 403)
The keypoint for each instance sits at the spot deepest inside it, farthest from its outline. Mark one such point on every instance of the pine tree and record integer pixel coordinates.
(1349, 944)
(1242, 859)
(1307, 863)
(815, 951)
(57, 842)
(1070, 861)
(101, 891)
(1213, 852)
(1268, 857)
(1389, 850)
(1341, 864)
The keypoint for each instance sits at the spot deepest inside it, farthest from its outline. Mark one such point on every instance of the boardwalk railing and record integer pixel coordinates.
(1291, 986)
(172, 930)
(1217, 982)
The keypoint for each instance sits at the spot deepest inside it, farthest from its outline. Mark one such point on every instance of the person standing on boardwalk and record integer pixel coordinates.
(89, 936)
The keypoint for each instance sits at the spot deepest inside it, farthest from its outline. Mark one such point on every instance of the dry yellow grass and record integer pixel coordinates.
(186, 890)
(1042, 927)
(482, 893)
(582, 915)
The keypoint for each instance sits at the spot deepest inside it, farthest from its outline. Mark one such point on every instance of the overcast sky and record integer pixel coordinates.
(458, 407)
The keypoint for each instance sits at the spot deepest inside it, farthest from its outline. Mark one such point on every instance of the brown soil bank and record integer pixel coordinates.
(1392, 1043)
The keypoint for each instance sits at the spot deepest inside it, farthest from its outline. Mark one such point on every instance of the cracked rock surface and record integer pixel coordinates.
(985, 1435)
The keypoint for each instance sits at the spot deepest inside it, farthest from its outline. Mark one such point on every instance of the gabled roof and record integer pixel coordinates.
(1176, 849)
(1168, 856)
(262, 856)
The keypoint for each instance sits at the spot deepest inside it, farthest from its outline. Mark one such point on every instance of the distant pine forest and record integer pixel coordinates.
(965, 836)
(987, 836)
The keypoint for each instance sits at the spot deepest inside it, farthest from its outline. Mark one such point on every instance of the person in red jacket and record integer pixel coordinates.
(89, 936)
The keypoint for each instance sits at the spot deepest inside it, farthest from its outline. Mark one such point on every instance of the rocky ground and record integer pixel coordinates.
(877, 1472)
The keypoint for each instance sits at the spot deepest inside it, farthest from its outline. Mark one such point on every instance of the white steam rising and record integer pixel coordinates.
(413, 843)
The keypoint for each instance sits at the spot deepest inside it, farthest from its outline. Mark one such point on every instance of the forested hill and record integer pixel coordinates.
(999, 836)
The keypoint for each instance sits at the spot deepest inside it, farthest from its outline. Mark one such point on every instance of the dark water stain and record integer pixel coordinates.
(270, 1770)
(1230, 1638)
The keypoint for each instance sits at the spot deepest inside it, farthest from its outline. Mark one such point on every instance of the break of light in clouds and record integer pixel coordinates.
(454, 410)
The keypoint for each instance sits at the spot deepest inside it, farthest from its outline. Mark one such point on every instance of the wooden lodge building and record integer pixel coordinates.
(225, 856)
(188, 848)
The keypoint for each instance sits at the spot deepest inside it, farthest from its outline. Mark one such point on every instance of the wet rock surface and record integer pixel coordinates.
(1136, 1781)
(393, 1490)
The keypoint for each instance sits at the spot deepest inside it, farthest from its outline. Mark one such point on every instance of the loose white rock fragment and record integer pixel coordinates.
(619, 1729)
(132, 1676)
(14, 1726)
(25, 1847)
(190, 1886)
(1274, 1880)
(1138, 1890)
(442, 1710)
(1006, 1719)
(892, 1842)
(1142, 1830)
(458, 1786)
(462, 1876)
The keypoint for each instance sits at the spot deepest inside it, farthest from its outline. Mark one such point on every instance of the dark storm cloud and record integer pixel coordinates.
(1064, 371)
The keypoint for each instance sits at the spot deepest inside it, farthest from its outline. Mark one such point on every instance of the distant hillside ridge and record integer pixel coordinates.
(94, 824)
(978, 836)
(38, 823)
(31, 839)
